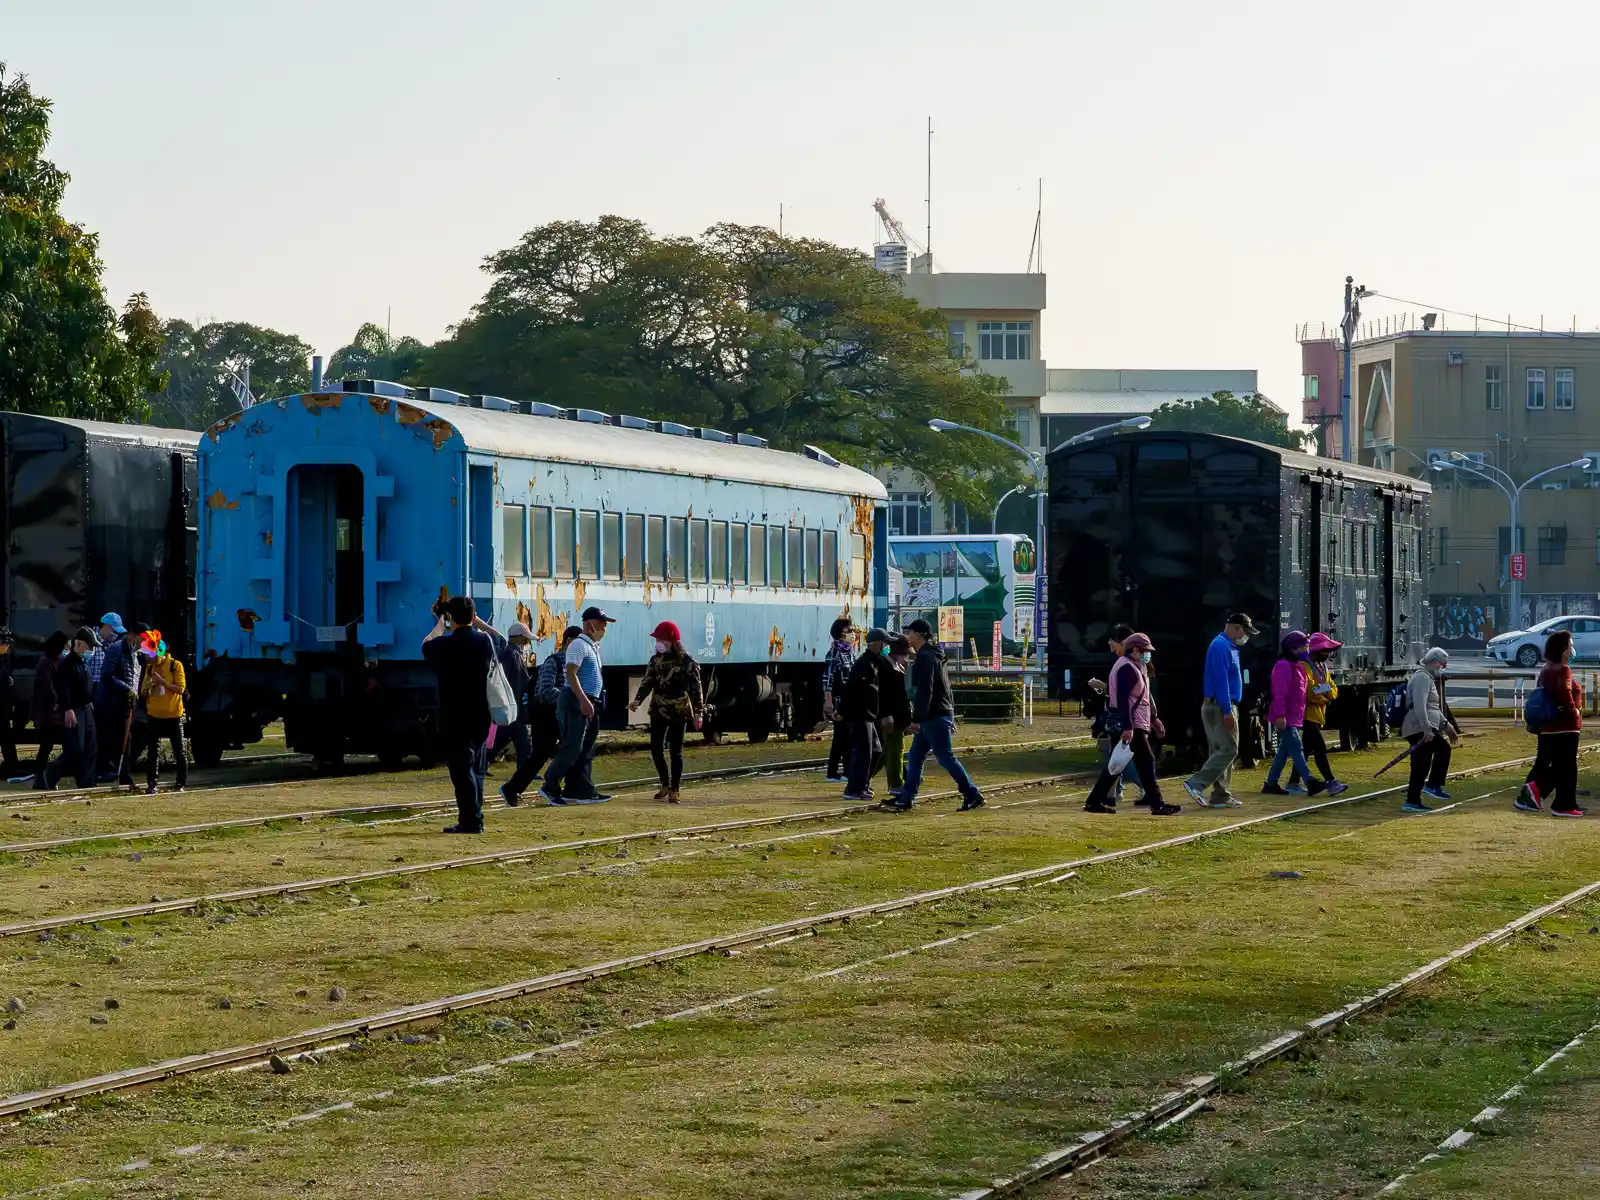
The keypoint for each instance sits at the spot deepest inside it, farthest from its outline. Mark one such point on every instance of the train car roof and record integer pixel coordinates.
(1293, 459)
(112, 431)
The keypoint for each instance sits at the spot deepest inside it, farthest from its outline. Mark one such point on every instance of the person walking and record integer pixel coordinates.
(1131, 719)
(896, 706)
(677, 701)
(835, 675)
(578, 711)
(45, 709)
(863, 709)
(511, 650)
(1555, 769)
(1222, 690)
(1287, 713)
(462, 657)
(544, 730)
(933, 722)
(78, 750)
(115, 693)
(1321, 691)
(1430, 729)
(163, 688)
(1095, 708)
(10, 765)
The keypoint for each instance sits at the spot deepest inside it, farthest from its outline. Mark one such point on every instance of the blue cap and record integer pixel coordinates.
(115, 621)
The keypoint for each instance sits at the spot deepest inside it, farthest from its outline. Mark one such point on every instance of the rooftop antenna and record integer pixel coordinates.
(780, 218)
(1036, 247)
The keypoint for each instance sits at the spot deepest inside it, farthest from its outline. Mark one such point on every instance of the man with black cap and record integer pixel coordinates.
(578, 711)
(462, 656)
(1221, 691)
(863, 706)
(933, 722)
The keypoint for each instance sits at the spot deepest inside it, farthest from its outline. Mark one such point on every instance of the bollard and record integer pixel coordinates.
(1490, 704)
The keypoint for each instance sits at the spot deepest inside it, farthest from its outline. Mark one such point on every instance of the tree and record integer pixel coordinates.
(373, 354)
(1249, 417)
(199, 361)
(795, 340)
(63, 348)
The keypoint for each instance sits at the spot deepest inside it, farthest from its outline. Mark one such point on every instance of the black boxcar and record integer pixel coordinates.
(1171, 532)
(95, 517)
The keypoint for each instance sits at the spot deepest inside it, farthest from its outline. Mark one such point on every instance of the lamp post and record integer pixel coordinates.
(994, 520)
(1513, 493)
(1088, 435)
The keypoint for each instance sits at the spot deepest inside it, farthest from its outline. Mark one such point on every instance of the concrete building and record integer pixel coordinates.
(1521, 402)
(1077, 399)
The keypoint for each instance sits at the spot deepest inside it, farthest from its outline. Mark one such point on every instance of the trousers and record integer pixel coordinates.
(78, 752)
(866, 756)
(170, 728)
(1291, 748)
(1223, 744)
(574, 757)
(1430, 765)
(1143, 766)
(894, 754)
(468, 761)
(1555, 769)
(936, 735)
(535, 741)
(839, 750)
(666, 748)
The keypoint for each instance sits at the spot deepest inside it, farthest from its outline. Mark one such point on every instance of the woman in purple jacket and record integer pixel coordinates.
(1288, 714)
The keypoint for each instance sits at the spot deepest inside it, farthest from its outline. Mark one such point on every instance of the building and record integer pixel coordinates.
(1519, 402)
(1078, 399)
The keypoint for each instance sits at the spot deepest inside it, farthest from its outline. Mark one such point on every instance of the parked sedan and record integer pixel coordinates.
(1526, 647)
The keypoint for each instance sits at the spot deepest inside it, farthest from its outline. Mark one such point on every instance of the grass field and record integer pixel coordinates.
(918, 1053)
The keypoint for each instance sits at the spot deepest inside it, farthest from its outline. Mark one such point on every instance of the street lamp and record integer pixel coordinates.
(994, 520)
(1513, 493)
(1088, 435)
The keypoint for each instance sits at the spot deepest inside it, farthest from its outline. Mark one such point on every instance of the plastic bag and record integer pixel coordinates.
(1121, 756)
(502, 703)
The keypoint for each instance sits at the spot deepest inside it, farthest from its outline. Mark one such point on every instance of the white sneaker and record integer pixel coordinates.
(1198, 795)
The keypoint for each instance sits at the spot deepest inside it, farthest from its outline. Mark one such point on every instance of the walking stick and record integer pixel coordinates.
(1406, 753)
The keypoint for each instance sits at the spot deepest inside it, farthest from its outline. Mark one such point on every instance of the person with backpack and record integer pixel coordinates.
(1287, 713)
(45, 709)
(1430, 729)
(1222, 689)
(462, 656)
(835, 677)
(1554, 710)
(677, 700)
(1321, 690)
(162, 690)
(544, 731)
(1132, 719)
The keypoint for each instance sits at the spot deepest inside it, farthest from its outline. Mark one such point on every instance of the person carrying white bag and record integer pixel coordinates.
(1130, 717)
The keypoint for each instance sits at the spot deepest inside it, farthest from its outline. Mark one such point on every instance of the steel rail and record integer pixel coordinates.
(429, 1010)
(1092, 1146)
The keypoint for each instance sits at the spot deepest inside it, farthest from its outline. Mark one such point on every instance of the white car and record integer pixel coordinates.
(1526, 647)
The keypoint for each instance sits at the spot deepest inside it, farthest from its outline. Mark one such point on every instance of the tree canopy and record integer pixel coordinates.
(373, 354)
(1248, 416)
(64, 350)
(792, 339)
(199, 359)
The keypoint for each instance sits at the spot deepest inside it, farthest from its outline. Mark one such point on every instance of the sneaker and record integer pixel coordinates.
(835, 779)
(1294, 789)
(1528, 798)
(1316, 787)
(597, 798)
(672, 796)
(551, 798)
(861, 797)
(1335, 787)
(462, 829)
(1226, 802)
(1164, 810)
(511, 798)
(1415, 806)
(661, 793)
(151, 790)
(1272, 789)
(1438, 793)
(1198, 795)
(1100, 808)
(899, 804)
(1574, 811)
(970, 803)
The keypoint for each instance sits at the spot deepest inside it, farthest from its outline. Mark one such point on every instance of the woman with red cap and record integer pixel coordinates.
(672, 683)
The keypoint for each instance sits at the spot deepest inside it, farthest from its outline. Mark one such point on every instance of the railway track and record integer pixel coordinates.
(237, 1057)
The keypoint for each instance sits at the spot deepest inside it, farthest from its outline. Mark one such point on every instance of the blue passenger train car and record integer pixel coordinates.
(332, 522)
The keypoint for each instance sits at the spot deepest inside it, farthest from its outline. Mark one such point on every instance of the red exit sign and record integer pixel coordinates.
(1519, 566)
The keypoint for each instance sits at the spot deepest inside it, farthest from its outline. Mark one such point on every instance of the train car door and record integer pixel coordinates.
(480, 538)
(327, 565)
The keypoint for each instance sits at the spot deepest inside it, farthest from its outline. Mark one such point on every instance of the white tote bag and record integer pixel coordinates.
(502, 704)
(1121, 756)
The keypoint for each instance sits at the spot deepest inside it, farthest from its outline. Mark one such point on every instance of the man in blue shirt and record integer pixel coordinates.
(1223, 688)
(578, 710)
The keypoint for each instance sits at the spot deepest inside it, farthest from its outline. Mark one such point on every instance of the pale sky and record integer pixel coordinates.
(1211, 171)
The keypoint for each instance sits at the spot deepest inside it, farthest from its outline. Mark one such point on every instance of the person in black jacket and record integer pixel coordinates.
(462, 656)
(933, 722)
(9, 765)
(512, 648)
(45, 710)
(78, 752)
(863, 708)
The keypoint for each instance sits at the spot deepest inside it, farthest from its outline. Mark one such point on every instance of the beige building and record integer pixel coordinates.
(1521, 403)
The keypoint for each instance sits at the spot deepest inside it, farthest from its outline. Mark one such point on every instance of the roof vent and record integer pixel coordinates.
(672, 428)
(431, 395)
(535, 408)
(490, 403)
(750, 439)
(706, 434)
(821, 456)
(380, 387)
(627, 422)
(589, 416)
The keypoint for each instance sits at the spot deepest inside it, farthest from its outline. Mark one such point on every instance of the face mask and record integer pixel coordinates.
(1242, 640)
(885, 652)
(661, 647)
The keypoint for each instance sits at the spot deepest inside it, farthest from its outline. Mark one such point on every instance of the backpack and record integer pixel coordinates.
(551, 677)
(502, 701)
(1538, 710)
(1396, 705)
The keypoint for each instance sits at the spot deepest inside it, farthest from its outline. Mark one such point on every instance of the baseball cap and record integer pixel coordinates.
(1242, 620)
(919, 626)
(518, 629)
(878, 635)
(114, 620)
(598, 614)
(87, 636)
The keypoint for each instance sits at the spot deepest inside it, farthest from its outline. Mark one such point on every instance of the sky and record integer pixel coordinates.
(1211, 173)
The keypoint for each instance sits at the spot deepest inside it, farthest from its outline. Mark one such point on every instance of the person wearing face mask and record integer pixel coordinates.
(865, 704)
(1222, 690)
(1288, 715)
(672, 685)
(1430, 729)
(896, 713)
(1096, 706)
(1320, 692)
(1132, 718)
(578, 711)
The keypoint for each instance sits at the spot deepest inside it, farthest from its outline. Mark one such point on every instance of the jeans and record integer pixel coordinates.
(170, 728)
(535, 741)
(1290, 749)
(1217, 774)
(468, 761)
(1430, 765)
(894, 754)
(936, 734)
(50, 736)
(839, 751)
(1143, 766)
(866, 757)
(666, 741)
(574, 755)
(1555, 770)
(78, 752)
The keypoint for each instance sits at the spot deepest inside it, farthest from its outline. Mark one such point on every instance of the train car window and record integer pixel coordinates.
(1366, 549)
(588, 545)
(1294, 544)
(858, 561)
(719, 552)
(697, 550)
(813, 558)
(1164, 468)
(1093, 464)
(611, 546)
(796, 557)
(1232, 462)
(566, 538)
(758, 556)
(775, 555)
(678, 549)
(656, 548)
(830, 559)
(741, 552)
(541, 541)
(633, 546)
(514, 533)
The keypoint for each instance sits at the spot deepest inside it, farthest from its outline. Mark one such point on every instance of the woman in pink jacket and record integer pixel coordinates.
(1288, 713)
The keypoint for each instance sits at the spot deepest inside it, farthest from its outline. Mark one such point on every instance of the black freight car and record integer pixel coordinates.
(1171, 532)
(95, 517)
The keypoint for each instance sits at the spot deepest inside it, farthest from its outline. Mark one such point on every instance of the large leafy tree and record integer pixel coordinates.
(374, 354)
(1248, 416)
(63, 349)
(200, 361)
(795, 340)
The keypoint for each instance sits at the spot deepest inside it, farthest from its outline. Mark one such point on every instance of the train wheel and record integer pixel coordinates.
(205, 744)
(391, 756)
(757, 736)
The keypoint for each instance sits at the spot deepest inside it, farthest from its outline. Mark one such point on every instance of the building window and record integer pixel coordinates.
(910, 514)
(1564, 387)
(957, 518)
(1535, 388)
(514, 531)
(1492, 396)
(1552, 545)
(1005, 339)
(1020, 425)
(1312, 384)
(958, 339)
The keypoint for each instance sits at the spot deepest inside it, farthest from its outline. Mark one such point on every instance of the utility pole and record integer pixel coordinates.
(1353, 295)
(928, 242)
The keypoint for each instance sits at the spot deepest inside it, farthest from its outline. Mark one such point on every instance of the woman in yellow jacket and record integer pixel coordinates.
(163, 688)
(1320, 690)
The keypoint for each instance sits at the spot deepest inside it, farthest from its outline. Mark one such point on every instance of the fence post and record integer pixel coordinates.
(1490, 704)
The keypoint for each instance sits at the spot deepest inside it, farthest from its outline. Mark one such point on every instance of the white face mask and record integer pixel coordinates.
(661, 647)
(1242, 640)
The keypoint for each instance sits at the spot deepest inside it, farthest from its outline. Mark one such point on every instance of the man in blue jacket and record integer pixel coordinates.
(1223, 689)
